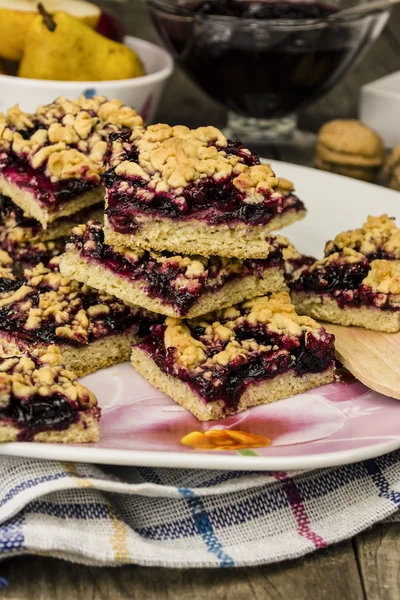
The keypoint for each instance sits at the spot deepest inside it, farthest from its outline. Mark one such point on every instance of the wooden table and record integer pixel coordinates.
(367, 567)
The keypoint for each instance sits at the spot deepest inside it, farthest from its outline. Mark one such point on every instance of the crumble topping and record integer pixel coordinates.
(384, 277)
(68, 139)
(6, 266)
(377, 235)
(347, 256)
(49, 306)
(30, 253)
(174, 157)
(276, 314)
(41, 374)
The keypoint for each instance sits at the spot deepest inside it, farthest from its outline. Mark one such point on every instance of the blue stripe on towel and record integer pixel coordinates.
(11, 535)
(205, 528)
(378, 477)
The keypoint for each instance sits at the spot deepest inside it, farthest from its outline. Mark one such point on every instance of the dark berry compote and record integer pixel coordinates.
(262, 59)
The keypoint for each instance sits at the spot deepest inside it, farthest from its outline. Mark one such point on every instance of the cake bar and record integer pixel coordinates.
(42, 401)
(25, 240)
(171, 284)
(358, 281)
(92, 329)
(193, 192)
(51, 161)
(253, 353)
(16, 228)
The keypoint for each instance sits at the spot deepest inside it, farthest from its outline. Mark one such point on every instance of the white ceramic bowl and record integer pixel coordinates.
(141, 93)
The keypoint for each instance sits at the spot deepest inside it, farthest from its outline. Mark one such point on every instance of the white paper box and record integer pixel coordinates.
(380, 107)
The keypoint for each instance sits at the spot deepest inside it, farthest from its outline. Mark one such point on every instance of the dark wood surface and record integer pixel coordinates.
(365, 568)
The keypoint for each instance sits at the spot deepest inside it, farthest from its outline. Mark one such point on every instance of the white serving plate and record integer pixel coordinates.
(336, 424)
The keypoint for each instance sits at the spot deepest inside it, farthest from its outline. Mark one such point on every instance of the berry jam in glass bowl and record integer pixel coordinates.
(261, 59)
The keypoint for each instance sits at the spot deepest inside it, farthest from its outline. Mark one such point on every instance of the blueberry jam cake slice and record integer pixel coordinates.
(194, 192)
(92, 329)
(42, 401)
(171, 284)
(348, 289)
(51, 161)
(224, 362)
(16, 228)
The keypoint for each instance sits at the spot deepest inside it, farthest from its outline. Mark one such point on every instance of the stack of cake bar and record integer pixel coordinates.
(187, 235)
(50, 168)
(52, 328)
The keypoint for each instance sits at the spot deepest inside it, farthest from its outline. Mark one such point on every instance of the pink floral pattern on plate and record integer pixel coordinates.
(339, 416)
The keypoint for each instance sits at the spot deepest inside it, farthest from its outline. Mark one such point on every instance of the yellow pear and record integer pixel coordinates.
(60, 47)
(16, 17)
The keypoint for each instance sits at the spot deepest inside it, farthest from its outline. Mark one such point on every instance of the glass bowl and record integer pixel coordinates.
(263, 71)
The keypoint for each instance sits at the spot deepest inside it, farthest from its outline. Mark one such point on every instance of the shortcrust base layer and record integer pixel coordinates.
(194, 237)
(32, 208)
(85, 430)
(82, 360)
(326, 309)
(75, 266)
(266, 392)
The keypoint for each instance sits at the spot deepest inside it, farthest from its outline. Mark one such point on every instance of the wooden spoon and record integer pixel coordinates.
(371, 356)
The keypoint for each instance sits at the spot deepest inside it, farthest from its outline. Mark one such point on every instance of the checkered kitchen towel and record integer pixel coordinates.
(184, 518)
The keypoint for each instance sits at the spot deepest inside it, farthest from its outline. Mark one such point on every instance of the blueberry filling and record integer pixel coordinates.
(305, 354)
(49, 194)
(215, 202)
(343, 283)
(39, 414)
(334, 277)
(8, 285)
(9, 210)
(160, 279)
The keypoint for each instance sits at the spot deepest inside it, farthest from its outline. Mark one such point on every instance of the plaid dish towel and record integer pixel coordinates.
(184, 518)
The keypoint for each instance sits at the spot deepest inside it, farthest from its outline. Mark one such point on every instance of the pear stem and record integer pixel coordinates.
(47, 18)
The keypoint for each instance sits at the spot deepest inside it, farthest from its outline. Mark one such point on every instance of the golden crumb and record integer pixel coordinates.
(384, 277)
(41, 374)
(376, 234)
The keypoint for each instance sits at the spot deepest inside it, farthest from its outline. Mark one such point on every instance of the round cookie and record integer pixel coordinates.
(392, 169)
(348, 147)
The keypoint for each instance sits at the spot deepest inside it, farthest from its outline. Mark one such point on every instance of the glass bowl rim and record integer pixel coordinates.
(186, 13)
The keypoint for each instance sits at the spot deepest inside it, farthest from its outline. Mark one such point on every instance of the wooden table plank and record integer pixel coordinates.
(378, 556)
(331, 574)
